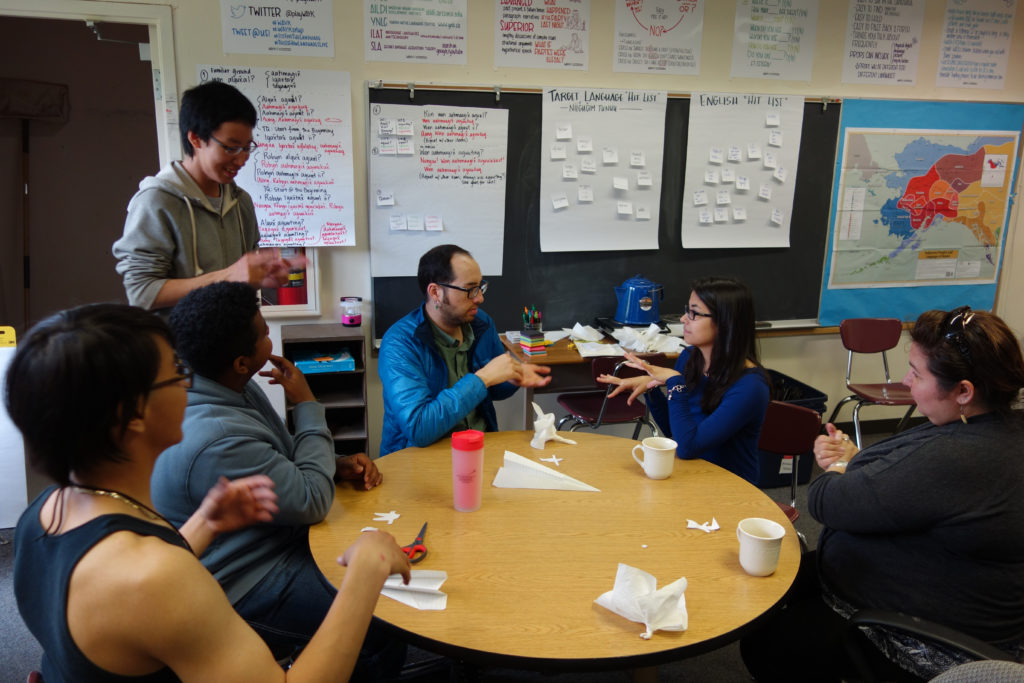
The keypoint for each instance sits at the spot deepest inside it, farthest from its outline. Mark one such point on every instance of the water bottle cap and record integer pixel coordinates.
(468, 440)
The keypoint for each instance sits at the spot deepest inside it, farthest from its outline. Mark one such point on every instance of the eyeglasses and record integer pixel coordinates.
(471, 293)
(184, 376)
(693, 315)
(956, 330)
(235, 151)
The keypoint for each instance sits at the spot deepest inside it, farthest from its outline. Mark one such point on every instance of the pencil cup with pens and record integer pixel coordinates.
(531, 337)
(532, 319)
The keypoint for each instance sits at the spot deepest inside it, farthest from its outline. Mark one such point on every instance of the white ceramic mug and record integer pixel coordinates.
(659, 456)
(760, 540)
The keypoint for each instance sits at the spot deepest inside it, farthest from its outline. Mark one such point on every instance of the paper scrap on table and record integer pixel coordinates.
(388, 517)
(636, 597)
(650, 340)
(518, 472)
(586, 333)
(551, 336)
(592, 349)
(706, 527)
(544, 429)
(422, 592)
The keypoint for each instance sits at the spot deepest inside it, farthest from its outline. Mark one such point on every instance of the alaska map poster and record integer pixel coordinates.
(921, 203)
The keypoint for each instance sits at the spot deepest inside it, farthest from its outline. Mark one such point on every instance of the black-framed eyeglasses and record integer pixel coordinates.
(471, 292)
(184, 376)
(234, 151)
(693, 315)
(956, 330)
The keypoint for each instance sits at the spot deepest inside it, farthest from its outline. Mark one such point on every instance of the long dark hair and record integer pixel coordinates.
(76, 381)
(731, 306)
(973, 345)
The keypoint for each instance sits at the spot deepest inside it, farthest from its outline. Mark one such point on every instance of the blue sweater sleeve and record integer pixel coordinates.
(697, 433)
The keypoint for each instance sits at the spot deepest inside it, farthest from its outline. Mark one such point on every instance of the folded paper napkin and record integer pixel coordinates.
(707, 527)
(650, 340)
(422, 592)
(586, 333)
(636, 597)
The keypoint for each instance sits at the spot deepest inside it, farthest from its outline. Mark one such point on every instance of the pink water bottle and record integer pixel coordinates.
(467, 469)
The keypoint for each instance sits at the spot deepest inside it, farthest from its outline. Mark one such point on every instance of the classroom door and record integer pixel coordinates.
(81, 173)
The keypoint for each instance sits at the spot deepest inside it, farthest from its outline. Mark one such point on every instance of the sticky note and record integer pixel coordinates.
(728, 175)
(715, 155)
(780, 175)
(735, 154)
(711, 176)
(433, 223)
(777, 216)
(624, 208)
(620, 183)
(563, 131)
(558, 151)
(569, 171)
(775, 138)
(637, 159)
(386, 127)
(764, 193)
(739, 213)
(721, 215)
(770, 160)
(559, 201)
(406, 147)
(723, 197)
(643, 179)
(643, 213)
(385, 198)
(705, 217)
(388, 147)
(700, 198)
(742, 183)
(396, 221)
(584, 194)
(609, 155)
(772, 119)
(584, 145)
(753, 151)
(404, 128)
(588, 165)
(414, 221)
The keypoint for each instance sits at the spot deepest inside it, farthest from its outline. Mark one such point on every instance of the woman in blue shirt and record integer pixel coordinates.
(715, 399)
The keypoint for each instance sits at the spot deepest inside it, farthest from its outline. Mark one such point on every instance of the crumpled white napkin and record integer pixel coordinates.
(650, 340)
(636, 597)
(544, 430)
(707, 527)
(586, 333)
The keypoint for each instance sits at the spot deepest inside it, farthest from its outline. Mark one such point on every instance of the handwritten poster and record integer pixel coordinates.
(883, 42)
(774, 39)
(278, 27)
(416, 31)
(658, 37)
(437, 176)
(300, 177)
(975, 44)
(741, 159)
(600, 170)
(548, 34)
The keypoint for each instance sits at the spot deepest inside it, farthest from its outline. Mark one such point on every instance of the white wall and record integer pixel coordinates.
(818, 360)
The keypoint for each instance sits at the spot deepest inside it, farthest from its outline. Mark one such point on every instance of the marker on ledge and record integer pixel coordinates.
(761, 324)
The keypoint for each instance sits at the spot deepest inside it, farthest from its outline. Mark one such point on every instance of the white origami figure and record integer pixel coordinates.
(544, 430)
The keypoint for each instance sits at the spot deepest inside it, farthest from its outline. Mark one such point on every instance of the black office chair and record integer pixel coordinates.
(968, 647)
(594, 408)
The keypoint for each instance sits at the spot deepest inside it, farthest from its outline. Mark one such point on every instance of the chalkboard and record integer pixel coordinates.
(572, 287)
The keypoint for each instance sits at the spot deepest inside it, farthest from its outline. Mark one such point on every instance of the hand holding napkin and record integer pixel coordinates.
(635, 596)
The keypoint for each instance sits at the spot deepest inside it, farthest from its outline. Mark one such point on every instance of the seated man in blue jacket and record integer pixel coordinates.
(442, 366)
(232, 430)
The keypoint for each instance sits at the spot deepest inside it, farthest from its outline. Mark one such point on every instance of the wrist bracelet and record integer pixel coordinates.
(839, 463)
(679, 388)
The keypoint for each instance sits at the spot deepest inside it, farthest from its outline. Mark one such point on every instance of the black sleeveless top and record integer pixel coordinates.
(42, 571)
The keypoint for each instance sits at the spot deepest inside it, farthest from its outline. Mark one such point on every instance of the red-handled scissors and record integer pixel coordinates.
(416, 550)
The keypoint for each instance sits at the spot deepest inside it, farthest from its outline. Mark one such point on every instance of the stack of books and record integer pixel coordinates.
(532, 342)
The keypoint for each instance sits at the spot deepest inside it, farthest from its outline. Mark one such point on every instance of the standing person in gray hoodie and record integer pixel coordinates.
(191, 225)
(266, 570)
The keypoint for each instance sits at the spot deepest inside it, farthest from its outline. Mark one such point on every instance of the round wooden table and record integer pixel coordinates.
(524, 570)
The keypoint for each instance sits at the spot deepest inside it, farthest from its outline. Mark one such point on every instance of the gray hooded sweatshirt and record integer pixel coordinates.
(173, 231)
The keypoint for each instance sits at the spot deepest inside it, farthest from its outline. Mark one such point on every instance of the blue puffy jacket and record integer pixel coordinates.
(419, 406)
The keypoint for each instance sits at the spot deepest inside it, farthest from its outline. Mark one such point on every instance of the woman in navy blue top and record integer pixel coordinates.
(112, 591)
(715, 399)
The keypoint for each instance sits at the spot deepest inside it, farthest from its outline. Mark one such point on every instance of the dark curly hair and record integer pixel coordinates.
(973, 345)
(76, 382)
(213, 325)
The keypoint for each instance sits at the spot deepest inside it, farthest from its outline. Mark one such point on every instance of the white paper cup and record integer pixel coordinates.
(659, 456)
(760, 540)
